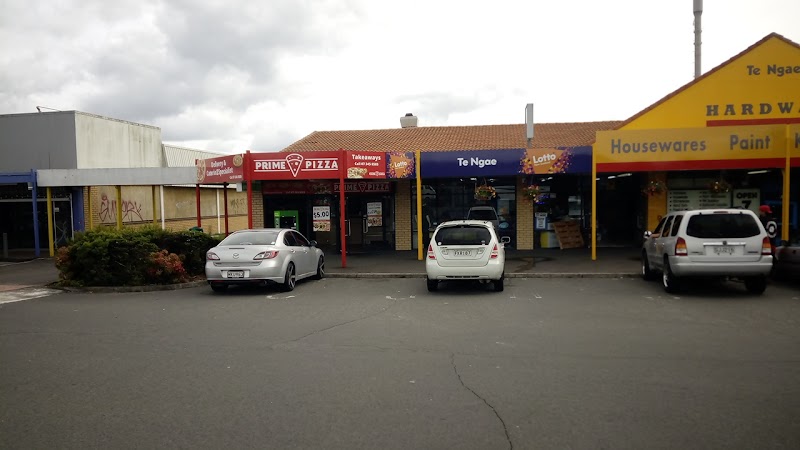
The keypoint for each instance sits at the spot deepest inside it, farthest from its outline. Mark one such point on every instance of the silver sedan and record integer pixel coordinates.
(263, 256)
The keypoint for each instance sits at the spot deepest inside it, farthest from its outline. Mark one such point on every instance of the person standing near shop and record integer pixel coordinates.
(770, 225)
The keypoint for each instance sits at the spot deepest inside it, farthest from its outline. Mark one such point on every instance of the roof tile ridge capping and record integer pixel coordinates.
(440, 127)
(707, 74)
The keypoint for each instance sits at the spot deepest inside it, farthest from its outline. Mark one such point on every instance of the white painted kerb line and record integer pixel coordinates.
(26, 294)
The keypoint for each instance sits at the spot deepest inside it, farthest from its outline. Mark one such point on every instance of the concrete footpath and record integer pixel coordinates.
(540, 263)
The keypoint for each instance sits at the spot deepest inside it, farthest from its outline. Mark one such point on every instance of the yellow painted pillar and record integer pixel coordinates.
(119, 207)
(155, 216)
(786, 200)
(50, 239)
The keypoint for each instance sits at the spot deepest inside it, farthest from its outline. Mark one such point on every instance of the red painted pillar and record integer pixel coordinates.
(248, 178)
(197, 194)
(225, 199)
(342, 211)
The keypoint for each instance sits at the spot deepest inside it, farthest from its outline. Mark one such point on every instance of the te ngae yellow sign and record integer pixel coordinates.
(739, 147)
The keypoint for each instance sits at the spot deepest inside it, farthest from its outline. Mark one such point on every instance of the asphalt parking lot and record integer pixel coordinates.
(370, 363)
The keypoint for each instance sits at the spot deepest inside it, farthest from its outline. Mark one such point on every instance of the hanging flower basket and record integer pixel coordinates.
(654, 188)
(485, 192)
(719, 187)
(533, 192)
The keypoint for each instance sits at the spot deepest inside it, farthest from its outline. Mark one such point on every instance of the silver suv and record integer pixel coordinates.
(723, 243)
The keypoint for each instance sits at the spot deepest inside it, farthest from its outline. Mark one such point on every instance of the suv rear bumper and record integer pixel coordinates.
(683, 267)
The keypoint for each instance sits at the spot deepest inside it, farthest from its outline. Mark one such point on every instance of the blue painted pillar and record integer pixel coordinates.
(34, 193)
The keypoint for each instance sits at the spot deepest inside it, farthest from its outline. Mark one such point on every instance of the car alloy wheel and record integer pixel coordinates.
(668, 278)
(647, 272)
(320, 269)
(290, 279)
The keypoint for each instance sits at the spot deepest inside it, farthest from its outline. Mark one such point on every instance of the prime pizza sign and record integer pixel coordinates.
(295, 166)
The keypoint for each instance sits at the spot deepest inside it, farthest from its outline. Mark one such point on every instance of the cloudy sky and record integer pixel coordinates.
(233, 75)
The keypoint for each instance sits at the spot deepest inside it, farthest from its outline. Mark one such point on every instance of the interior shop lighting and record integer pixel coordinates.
(611, 177)
(624, 175)
(754, 172)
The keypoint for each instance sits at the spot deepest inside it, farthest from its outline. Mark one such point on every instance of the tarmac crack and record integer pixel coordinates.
(322, 330)
(460, 380)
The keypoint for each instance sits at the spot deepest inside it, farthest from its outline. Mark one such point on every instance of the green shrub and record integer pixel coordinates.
(132, 257)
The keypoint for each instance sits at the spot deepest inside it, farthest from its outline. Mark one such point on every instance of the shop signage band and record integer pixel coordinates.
(327, 165)
(223, 169)
(697, 148)
(509, 162)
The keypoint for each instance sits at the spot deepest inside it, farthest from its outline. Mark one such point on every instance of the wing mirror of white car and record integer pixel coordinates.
(312, 243)
(505, 240)
(647, 234)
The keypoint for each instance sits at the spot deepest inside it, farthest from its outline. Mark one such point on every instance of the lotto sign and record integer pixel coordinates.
(295, 166)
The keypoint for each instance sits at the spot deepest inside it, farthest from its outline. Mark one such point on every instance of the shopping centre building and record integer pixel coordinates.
(729, 138)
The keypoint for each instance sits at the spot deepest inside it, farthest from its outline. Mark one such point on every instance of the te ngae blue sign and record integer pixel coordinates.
(506, 162)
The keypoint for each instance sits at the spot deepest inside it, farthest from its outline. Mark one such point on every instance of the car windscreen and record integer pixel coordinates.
(251, 238)
(482, 214)
(713, 226)
(463, 235)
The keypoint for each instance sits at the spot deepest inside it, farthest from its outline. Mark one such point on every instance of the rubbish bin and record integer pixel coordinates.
(196, 228)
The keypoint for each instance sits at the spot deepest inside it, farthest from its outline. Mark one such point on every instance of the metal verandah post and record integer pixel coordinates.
(248, 176)
(225, 204)
(35, 195)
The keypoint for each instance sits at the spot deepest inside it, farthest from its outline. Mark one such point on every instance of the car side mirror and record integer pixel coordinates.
(505, 240)
(312, 243)
(647, 234)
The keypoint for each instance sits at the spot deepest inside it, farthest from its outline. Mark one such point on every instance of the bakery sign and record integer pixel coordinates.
(365, 165)
(295, 166)
(224, 169)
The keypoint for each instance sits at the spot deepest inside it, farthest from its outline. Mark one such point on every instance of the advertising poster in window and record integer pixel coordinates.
(375, 214)
(322, 218)
(366, 165)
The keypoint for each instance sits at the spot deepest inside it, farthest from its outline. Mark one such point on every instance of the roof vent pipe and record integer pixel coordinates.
(698, 11)
(408, 121)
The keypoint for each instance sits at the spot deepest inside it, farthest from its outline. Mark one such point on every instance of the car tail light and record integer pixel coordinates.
(766, 247)
(680, 247)
(266, 255)
(431, 255)
(211, 256)
(494, 253)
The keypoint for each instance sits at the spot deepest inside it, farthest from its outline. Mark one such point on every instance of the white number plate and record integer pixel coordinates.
(462, 252)
(235, 274)
(723, 250)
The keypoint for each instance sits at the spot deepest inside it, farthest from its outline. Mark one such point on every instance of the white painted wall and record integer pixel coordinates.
(105, 143)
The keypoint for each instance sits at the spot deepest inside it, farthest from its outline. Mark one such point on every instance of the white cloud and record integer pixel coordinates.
(230, 76)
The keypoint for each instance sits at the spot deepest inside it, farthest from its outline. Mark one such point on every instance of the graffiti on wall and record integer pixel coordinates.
(131, 210)
(238, 206)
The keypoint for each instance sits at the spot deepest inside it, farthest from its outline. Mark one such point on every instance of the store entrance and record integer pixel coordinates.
(368, 223)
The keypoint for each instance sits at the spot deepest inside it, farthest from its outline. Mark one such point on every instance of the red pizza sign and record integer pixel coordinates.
(295, 166)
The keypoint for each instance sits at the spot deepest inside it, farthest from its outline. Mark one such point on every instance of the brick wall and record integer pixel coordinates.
(524, 218)
(258, 207)
(402, 215)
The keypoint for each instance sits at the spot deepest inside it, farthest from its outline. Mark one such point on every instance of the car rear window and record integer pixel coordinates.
(482, 214)
(463, 235)
(722, 226)
(251, 238)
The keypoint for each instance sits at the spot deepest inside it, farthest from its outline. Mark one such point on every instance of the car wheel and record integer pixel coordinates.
(320, 269)
(647, 272)
(433, 285)
(219, 287)
(498, 284)
(755, 285)
(290, 279)
(668, 279)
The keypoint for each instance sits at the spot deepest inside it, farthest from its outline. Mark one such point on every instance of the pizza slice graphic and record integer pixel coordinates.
(294, 161)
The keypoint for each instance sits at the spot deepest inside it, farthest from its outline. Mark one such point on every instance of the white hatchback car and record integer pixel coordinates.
(722, 243)
(466, 250)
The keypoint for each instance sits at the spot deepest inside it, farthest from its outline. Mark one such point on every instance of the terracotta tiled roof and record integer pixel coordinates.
(479, 137)
(704, 76)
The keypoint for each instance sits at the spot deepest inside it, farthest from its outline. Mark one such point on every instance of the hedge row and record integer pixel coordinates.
(133, 257)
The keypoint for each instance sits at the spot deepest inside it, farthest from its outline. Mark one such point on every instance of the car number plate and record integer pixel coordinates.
(723, 250)
(462, 252)
(235, 274)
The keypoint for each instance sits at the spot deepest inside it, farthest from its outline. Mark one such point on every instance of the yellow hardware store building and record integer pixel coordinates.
(728, 138)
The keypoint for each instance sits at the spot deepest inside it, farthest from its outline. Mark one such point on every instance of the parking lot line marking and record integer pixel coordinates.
(25, 294)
